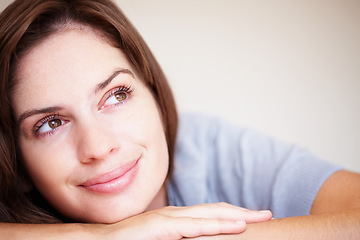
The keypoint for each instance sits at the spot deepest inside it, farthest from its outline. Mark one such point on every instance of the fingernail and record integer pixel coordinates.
(265, 211)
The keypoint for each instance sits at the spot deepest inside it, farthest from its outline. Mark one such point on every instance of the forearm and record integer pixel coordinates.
(164, 223)
(48, 231)
(340, 225)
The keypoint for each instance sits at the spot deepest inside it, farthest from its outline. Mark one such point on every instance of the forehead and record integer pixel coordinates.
(68, 48)
(67, 60)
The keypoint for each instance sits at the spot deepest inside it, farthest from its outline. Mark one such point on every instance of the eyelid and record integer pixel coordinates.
(119, 89)
(39, 124)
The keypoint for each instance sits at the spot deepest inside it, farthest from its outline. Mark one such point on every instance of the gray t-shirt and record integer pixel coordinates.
(216, 161)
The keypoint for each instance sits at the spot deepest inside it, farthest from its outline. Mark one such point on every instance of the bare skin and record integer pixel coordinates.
(335, 214)
(165, 223)
(93, 127)
(102, 141)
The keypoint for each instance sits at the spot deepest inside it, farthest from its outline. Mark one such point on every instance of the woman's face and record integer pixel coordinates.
(91, 134)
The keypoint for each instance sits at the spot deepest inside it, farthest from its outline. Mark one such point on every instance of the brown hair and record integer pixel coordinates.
(24, 24)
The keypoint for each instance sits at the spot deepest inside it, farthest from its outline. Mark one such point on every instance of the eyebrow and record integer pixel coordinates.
(52, 109)
(102, 85)
(37, 111)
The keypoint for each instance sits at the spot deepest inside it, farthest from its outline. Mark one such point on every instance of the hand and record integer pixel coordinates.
(179, 222)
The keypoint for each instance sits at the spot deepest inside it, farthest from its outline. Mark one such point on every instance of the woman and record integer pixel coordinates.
(95, 139)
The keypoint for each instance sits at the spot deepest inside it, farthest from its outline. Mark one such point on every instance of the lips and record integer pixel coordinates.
(113, 181)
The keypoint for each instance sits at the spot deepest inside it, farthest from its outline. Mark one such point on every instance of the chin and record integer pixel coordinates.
(109, 216)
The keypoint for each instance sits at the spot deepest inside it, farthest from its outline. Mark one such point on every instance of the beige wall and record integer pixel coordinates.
(4, 3)
(290, 69)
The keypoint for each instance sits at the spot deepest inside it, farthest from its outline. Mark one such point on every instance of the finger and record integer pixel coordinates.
(195, 227)
(258, 216)
(158, 226)
(219, 211)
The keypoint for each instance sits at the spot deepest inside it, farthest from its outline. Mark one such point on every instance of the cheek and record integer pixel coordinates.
(141, 119)
(152, 129)
(149, 129)
(44, 166)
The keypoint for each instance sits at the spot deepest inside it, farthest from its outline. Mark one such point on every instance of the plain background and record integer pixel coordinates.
(289, 69)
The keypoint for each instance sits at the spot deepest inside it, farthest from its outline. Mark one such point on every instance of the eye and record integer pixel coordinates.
(121, 96)
(54, 123)
(49, 124)
(117, 96)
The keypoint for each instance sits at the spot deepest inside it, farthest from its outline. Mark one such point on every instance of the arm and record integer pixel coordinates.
(48, 231)
(335, 214)
(165, 223)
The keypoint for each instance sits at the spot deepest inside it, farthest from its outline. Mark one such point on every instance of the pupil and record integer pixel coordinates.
(120, 96)
(54, 123)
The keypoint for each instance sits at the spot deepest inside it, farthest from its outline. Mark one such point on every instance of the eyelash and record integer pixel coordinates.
(42, 122)
(122, 89)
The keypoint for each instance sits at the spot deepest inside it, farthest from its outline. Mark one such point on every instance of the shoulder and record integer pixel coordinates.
(205, 135)
(198, 131)
(196, 123)
(200, 127)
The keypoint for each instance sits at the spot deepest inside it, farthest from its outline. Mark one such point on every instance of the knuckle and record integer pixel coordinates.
(155, 216)
(170, 209)
(223, 204)
(219, 205)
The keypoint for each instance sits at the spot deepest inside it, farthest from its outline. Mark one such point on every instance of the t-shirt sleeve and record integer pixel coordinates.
(272, 175)
(225, 162)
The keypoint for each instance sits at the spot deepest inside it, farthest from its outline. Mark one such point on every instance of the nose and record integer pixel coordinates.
(96, 141)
